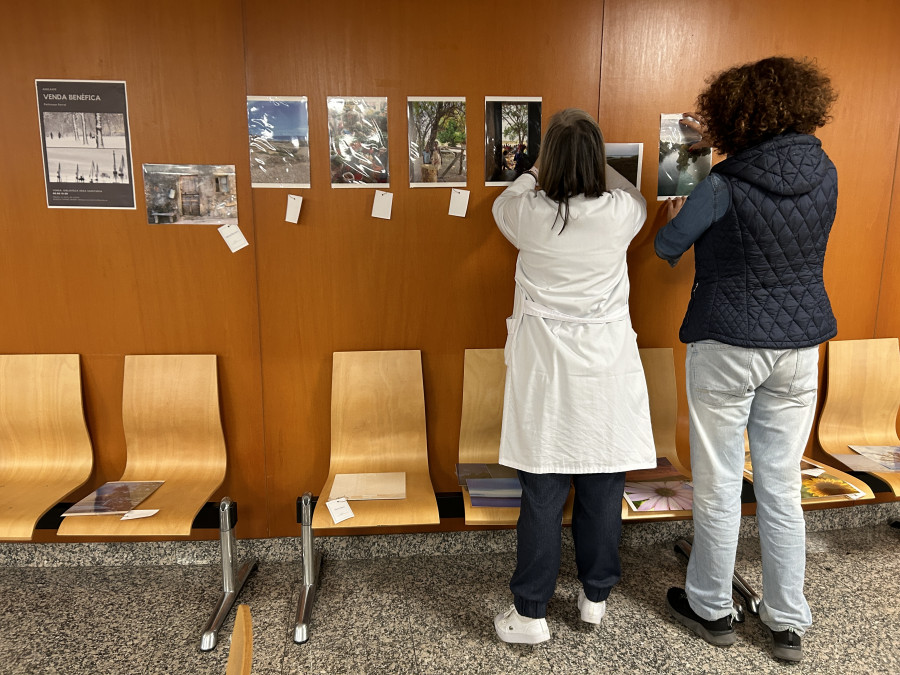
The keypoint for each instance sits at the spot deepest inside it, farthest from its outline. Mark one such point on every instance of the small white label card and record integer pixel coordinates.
(339, 510)
(459, 202)
(139, 513)
(233, 237)
(294, 202)
(381, 207)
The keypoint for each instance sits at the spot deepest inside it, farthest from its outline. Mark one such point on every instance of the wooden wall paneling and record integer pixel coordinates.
(340, 280)
(656, 56)
(104, 283)
(888, 324)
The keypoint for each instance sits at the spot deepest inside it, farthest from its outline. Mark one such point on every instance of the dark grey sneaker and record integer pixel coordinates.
(786, 644)
(719, 632)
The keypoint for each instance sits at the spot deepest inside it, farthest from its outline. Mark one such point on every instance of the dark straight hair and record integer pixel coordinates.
(572, 160)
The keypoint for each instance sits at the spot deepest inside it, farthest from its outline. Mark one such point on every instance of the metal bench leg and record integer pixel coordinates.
(312, 563)
(741, 587)
(233, 576)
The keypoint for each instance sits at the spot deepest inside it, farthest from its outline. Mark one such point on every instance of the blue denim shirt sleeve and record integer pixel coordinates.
(706, 204)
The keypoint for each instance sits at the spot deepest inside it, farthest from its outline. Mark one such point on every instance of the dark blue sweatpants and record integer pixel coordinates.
(596, 529)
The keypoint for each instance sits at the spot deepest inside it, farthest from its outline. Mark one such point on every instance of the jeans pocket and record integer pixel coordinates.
(720, 373)
(805, 383)
(795, 376)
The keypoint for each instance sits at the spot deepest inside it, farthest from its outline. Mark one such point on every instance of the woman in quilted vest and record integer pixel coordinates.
(758, 310)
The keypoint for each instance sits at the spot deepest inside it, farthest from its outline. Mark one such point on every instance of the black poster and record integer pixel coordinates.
(86, 144)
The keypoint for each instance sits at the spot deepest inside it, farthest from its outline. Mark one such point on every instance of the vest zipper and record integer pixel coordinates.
(690, 306)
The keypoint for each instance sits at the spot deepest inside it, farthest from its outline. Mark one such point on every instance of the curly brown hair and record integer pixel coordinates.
(748, 104)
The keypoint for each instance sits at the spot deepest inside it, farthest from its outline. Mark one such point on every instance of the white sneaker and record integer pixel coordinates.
(513, 627)
(591, 612)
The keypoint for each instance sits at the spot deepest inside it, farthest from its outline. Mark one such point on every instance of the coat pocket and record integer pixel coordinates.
(512, 327)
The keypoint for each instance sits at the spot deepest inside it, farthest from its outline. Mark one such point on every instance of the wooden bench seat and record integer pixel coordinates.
(659, 372)
(378, 426)
(45, 448)
(173, 433)
(482, 412)
(484, 380)
(862, 400)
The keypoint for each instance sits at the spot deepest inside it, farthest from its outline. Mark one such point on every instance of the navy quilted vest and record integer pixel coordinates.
(758, 269)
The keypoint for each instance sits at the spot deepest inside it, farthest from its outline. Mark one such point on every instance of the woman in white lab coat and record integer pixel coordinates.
(575, 407)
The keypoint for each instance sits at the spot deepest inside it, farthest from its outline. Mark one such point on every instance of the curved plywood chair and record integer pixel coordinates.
(659, 372)
(862, 400)
(173, 433)
(484, 379)
(240, 654)
(45, 449)
(378, 426)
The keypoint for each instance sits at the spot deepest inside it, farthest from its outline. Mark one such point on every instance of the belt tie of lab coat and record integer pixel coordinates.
(532, 308)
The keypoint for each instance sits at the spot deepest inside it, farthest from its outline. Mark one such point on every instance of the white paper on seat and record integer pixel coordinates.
(363, 486)
(139, 513)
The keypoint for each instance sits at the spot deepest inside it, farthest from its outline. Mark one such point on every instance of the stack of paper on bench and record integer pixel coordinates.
(490, 485)
(365, 486)
(873, 458)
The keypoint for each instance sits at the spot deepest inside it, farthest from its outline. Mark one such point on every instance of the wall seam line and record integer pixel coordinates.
(887, 235)
(257, 261)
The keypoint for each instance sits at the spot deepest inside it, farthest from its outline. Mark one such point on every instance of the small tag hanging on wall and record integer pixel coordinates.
(459, 202)
(233, 237)
(381, 206)
(292, 214)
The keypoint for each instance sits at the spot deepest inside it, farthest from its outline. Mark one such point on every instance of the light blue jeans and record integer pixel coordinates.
(772, 394)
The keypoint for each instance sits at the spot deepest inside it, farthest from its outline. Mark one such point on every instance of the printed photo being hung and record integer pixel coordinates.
(86, 144)
(190, 194)
(512, 137)
(358, 139)
(627, 159)
(437, 142)
(279, 141)
(680, 168)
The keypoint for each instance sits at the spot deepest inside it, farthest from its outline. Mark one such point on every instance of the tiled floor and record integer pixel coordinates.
(433, 614)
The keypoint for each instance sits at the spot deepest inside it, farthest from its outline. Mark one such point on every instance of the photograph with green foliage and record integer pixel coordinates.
(437, 142)
(512, 137)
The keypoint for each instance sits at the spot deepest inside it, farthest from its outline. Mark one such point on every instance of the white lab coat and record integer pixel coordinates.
(575, 398)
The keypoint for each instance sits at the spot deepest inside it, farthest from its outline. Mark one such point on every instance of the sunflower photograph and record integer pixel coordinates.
(825, 485)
